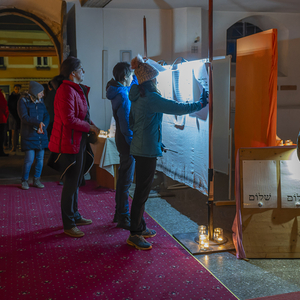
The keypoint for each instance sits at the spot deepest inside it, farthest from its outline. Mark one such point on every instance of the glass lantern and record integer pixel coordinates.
(218, 235)
(201, 230)
(204, 242)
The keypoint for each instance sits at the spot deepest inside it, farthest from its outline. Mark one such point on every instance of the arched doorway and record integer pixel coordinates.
(36, 20)
(29, 51)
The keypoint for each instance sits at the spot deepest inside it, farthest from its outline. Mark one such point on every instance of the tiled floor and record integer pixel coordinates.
(187, 209)
(181, 211)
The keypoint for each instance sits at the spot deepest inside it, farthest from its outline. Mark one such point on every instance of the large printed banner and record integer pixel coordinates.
(186, 136)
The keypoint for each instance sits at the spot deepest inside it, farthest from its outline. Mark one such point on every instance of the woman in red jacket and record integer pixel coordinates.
(69, 136)
(4, 112)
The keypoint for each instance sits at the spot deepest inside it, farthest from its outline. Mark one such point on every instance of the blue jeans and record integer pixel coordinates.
(125, 178)
(28, 160)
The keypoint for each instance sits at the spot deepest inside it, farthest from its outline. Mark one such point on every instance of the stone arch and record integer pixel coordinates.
(39, 22)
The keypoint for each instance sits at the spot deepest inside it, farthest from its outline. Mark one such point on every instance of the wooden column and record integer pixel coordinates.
(145, 37)
(210, 165)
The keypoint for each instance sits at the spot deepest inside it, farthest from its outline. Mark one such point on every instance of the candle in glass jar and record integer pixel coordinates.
(218, 234)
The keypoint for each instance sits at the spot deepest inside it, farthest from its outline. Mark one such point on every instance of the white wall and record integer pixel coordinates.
(187, 27)
(89, 39)
(170, 34)
(113, 30)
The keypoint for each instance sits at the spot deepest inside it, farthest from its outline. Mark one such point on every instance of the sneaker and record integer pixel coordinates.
(83, 221)
(74, 232)
(148, 233)
(37, 183)
(124, 222)
(25, 185)
(138, 242)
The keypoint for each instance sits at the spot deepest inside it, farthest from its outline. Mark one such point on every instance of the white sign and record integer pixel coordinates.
(290, 183)
(259, 184)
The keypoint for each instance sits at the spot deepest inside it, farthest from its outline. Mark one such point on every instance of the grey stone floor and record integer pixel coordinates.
(181, 211)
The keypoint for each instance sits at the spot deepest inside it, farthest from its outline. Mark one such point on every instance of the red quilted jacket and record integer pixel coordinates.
(4, 112)
(70, 109)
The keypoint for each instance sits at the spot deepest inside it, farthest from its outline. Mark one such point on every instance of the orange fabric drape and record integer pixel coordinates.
(256, 90)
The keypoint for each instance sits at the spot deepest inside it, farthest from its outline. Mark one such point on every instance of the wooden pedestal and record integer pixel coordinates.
(104, 178)
(270, 232)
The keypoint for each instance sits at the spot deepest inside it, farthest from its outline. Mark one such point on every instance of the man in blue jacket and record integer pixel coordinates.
(117, 90)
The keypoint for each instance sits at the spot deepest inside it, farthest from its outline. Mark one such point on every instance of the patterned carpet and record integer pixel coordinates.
(38, 261)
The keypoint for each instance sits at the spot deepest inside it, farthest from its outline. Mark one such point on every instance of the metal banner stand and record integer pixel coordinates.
(191, 240)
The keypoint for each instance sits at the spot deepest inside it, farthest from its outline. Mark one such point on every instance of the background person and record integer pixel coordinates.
(69, 136)
(4, 113)
(147, 108)
(34, 121)
(49, 102)
(14, 122)
(117, 91)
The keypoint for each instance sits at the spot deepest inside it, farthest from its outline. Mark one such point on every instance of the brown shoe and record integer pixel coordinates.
(83, 221)
(74, 232)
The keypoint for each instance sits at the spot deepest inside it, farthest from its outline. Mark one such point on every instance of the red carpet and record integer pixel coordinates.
(38, 261)
(288, 296)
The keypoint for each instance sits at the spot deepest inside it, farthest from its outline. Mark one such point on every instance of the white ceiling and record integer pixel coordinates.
(289, 6)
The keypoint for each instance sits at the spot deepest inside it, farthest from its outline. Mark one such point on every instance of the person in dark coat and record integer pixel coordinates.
(117, 90)
(34, 121)
(3, 119)
(14, 122)
(49, 102)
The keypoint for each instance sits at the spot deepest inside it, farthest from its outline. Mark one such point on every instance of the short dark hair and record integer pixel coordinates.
(121, 70)
(50, 84)
(69, 65)
(17, 85)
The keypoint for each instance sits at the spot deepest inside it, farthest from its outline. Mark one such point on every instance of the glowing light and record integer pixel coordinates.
(218, 234)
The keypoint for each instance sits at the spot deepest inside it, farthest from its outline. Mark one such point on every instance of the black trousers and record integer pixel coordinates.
(72, 180)
(144, 173)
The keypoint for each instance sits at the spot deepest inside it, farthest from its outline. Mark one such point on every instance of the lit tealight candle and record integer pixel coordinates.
(218, 234)
(202, 229)
(203, 242)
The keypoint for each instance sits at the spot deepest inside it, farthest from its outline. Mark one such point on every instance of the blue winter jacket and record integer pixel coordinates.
(31, 115)
(118, 94)
(146, 118)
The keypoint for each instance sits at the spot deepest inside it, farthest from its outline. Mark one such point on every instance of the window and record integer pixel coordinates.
(43, 63)
(2, 63)
(5, 89)
(236, 31)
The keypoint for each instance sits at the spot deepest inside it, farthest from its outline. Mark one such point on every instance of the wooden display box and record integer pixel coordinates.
(104, 178)
(270, 232)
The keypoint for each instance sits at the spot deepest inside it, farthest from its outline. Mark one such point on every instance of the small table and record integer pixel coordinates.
(106, 157)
